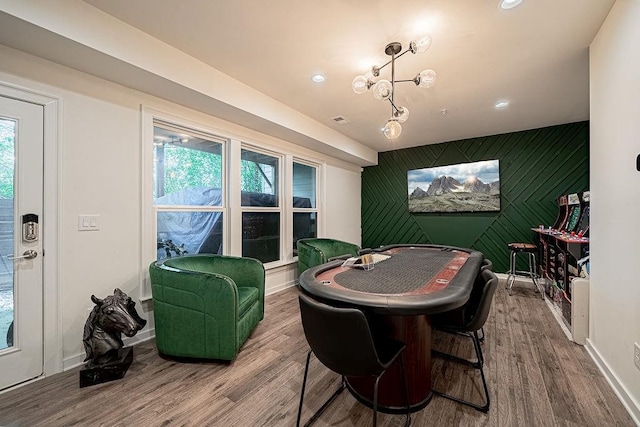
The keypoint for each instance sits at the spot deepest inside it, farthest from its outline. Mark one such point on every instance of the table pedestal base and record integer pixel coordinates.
(415, 331)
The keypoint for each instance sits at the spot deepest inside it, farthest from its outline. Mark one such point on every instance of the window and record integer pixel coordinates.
(260, 205)
(207, 192)
(305, 213)
(188, 191)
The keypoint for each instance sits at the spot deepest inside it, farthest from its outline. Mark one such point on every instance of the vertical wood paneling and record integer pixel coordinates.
(536, 166)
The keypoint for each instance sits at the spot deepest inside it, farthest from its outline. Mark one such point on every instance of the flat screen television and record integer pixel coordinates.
(464, 187)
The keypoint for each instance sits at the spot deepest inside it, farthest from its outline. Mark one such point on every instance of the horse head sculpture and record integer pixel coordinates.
(112, 316)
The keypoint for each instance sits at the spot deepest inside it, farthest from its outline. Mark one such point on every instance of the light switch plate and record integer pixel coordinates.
(88, 222)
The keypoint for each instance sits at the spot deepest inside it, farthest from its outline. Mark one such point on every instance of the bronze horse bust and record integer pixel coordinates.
(112, 316)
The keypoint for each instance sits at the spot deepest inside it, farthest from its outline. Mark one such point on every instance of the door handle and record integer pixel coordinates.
(28, 254)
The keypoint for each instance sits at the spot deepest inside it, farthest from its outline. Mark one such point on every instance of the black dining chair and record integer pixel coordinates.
(486, 265)
(342, 341)
(468, 320)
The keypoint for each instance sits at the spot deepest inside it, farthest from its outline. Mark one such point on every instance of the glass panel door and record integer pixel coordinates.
(21, 208)
(7, 172)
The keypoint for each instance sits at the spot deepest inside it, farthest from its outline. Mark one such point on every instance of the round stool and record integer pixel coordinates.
(529, 249)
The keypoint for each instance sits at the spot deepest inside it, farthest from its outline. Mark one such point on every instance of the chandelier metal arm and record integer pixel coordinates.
(385, 90)
(393, 107)
(392, 59)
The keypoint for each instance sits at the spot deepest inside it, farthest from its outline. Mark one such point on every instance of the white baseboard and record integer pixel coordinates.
(630, 404)
(553, 308)
(78, 359)
(280, 287)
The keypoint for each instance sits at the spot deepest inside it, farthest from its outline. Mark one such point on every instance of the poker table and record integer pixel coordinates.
(397, 296)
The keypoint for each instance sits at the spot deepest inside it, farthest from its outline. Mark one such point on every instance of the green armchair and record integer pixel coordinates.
(312, 252)
(206, 306)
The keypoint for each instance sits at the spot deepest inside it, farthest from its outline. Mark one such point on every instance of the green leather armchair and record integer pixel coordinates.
(312, 252)
(206, 306)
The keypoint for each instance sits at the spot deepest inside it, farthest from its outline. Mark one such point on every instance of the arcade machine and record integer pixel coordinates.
(564, 248)
(573, 213)
(562, 213)
(549, 249)
(576, 247)
(574, 208)
(582, 230)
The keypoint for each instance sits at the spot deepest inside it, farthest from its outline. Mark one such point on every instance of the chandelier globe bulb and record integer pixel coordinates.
(426, 79)
(382, 90)
(392, 129)
(360, 84)
(421, 45)
(402, 114)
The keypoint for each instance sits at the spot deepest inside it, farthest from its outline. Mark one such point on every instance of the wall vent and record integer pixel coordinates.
(340, 120)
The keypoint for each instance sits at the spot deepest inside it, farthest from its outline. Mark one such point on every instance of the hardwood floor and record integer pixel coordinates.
(536, 377)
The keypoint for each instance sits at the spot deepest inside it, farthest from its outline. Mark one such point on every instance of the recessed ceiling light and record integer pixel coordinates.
(502, 104)
(318, 78)
(509, 4)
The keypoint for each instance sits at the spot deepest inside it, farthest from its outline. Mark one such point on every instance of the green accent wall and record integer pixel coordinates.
(536, 167)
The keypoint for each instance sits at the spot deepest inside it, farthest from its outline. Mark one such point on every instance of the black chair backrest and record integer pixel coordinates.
(486, 265)
(478, 310)
(340, 338)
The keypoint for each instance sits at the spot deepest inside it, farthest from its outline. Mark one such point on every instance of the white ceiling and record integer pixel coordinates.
(535, 56)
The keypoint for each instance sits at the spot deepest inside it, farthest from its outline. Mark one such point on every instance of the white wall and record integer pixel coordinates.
(615, 199)
(100, 172)
(343, 192)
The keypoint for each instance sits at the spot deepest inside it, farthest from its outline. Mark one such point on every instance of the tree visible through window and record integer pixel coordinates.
(188, 192)
(7, 158)
(260, 200)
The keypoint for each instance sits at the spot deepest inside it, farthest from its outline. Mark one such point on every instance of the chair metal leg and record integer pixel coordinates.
(478, 365)
(482, 337)
(407, 422)
(343, 385)
(325, 405)
(375, 400)
(476, 343)
(304, 384)
(474, 364)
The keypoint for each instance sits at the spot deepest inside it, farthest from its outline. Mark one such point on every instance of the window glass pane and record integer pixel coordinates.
(7, 280)
(261, 235)
(304, 186)
(259, 179)
(187, 170)
(304, 225)
(182, 233)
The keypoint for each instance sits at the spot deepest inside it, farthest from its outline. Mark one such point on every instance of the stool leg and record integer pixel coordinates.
(531, 271)
(512, 271)
(534, 275)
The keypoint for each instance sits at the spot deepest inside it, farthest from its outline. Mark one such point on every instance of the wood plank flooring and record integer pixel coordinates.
(536, 377)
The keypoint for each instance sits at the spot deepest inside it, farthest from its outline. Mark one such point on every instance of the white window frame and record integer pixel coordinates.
(223, 178)
(149, 210)
(231, 209)
(282, 259)
(318, 167)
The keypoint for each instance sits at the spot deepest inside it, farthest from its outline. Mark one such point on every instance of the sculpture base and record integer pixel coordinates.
(114, 370)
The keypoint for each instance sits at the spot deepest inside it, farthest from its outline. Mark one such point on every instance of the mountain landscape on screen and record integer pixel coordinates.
(467, 187)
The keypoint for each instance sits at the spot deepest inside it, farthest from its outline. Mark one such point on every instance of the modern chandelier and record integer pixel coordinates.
(384, 90)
